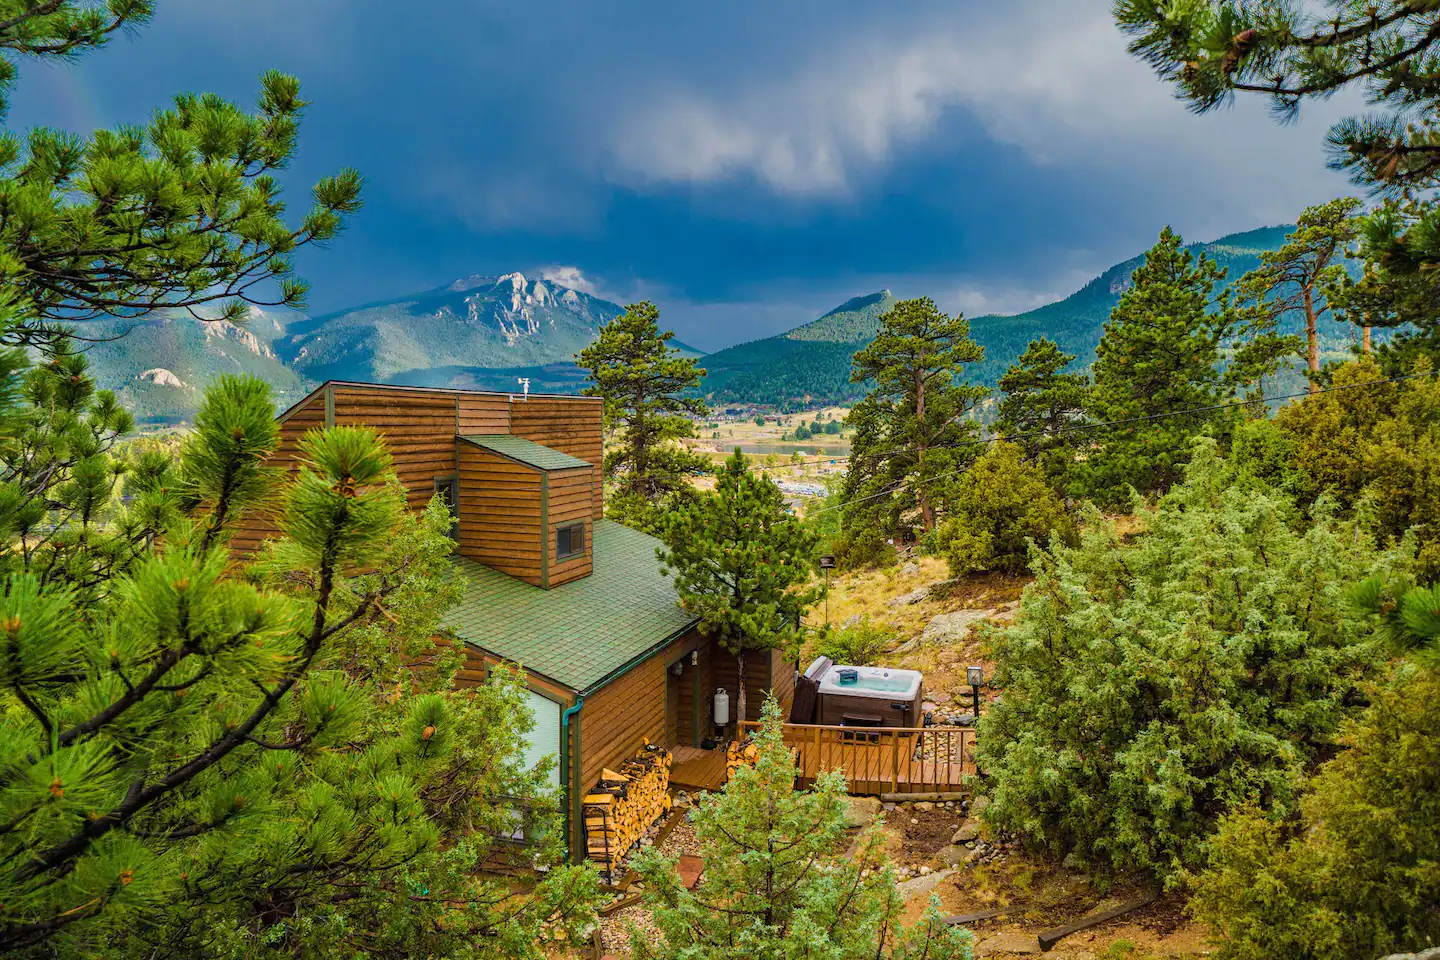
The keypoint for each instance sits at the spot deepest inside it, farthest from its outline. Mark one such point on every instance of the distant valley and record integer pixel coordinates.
(487, 332)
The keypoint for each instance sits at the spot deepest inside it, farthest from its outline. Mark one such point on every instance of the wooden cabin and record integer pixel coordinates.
(578, 602)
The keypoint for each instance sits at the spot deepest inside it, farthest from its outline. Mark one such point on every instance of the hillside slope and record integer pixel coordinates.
(811, 363)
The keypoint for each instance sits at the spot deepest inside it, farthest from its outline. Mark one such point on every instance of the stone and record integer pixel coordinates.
(1009, 941)
(974, 856)
(1432, 953)
(925, 871)
(948, 629)
(914, 820)
(887, 807)
(951, 856)
(918, 595)
(979, 805)
(924, 806)
(861, 811)
(922, 886)
(910, 569)
(969, 830)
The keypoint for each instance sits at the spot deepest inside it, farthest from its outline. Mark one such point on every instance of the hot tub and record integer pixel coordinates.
(879, 697)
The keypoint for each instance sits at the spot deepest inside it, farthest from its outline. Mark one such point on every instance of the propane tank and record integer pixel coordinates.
(722, 707)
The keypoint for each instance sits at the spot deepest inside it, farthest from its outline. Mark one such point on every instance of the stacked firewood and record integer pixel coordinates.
(622, 805)
(744, 753)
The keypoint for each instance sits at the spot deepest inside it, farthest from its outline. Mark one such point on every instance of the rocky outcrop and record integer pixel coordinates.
(161, 376)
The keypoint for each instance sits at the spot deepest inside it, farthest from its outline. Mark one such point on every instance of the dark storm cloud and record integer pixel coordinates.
(746, 164)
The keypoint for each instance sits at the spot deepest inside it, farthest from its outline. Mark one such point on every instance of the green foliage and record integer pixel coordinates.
(1375, 447)
(1003, 505)
(1042, 405)
(1152, 685)
(184, 212)
(860, 643)
(913, 434)
(1160, 353)
(641, 381)
(1358, 874)
(196, 750)
(742, 564)
(1292, 53)
(1298, 277)
(777, 884)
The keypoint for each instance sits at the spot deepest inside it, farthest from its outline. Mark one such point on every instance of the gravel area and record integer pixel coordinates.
(615, 928)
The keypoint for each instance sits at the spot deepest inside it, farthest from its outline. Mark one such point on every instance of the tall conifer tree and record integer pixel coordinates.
(1043, 405)
(1158, 358)
(743, 564)
(913, 430)
(644, 384)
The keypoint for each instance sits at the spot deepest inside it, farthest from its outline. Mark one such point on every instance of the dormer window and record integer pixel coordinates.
(570, 541)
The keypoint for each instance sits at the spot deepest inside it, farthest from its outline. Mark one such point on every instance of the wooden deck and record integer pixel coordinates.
(883, 759)
(697, 769)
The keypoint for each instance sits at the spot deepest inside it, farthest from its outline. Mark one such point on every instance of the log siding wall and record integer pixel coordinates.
(501, 514)
(571, 500)
(568, 424)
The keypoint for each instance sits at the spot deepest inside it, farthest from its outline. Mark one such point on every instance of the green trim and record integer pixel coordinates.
(531, 454)
(545, 531)
(570, 772)
(329, 405)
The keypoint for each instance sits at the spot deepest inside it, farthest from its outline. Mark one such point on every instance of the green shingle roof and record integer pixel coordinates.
(578, 632)
(527, 452)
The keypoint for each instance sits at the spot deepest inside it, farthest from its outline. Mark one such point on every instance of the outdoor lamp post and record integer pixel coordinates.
(976, 677)
(827, 563)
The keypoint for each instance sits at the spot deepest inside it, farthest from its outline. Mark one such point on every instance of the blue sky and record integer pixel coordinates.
(747, 165)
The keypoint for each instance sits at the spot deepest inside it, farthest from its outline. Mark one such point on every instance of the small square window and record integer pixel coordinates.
(570, 541)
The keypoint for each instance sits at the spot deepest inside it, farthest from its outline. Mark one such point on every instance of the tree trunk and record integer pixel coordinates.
(1312, 337)
(739, 691)
(1365, 339)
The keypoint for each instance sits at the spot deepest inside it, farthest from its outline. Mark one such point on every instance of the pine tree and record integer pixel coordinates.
(1301, 273)
(1043, 406)
(1159, 355)
(643, 383)
(1292, 53)
(1153, 684)
(912, 431)
(777, 882)
(1003, 505)
(742, 564)
(188, 755)
(184, 213)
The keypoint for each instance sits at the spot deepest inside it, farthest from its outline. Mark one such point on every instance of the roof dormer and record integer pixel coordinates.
(525, 509)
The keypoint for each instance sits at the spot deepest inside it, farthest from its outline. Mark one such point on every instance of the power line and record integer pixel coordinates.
(1108, 423)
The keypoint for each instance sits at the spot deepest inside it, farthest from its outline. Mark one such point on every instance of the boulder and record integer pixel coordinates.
(1009, 941)
(924, 806)
(922, 886)
(949, 629)
(951, 856)
(968, 831)
(861, 811)
(979, 805)
(915, 596)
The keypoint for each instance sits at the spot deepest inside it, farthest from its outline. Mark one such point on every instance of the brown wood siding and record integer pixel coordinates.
(482, 413)
(254, 527)
(681, 699)
(419, 427)
(619, 716)
(499, 509)
(568, 424)
(759, 667)
(570, 501)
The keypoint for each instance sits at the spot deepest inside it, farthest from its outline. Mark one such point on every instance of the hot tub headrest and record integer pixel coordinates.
(817, 669)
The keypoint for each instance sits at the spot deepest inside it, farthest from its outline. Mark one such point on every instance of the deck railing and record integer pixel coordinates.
(882, 759)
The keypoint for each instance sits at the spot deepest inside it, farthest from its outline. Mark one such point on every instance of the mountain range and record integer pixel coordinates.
(484, 332)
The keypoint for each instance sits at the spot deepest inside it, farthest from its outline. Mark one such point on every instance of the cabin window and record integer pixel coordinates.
(570, 541)
(449, 490)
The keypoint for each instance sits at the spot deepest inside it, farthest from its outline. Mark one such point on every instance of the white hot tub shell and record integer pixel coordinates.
(878, 697)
